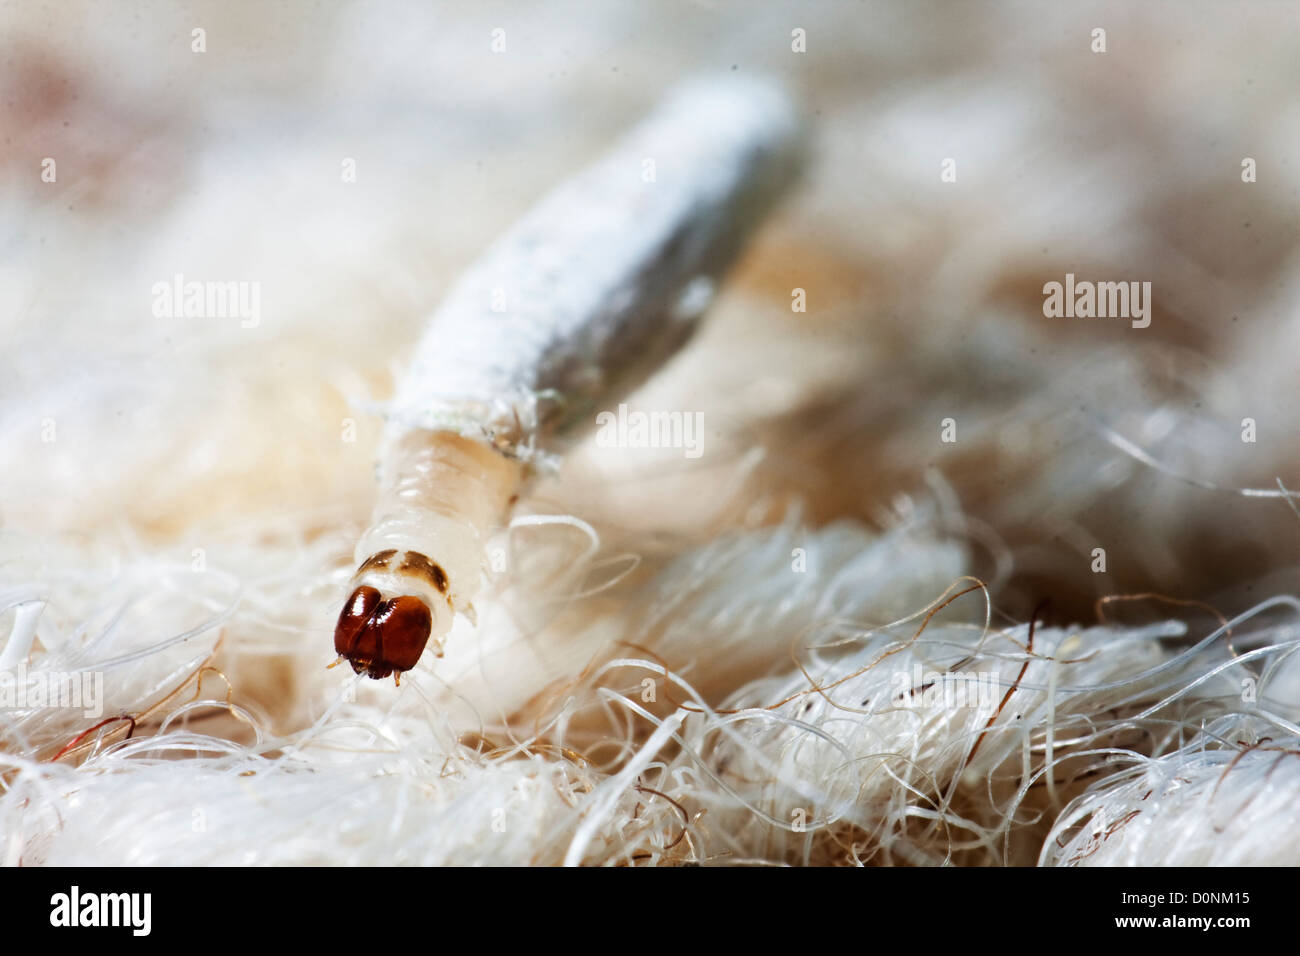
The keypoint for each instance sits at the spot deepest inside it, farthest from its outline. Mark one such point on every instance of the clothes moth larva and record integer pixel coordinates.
(582, 299)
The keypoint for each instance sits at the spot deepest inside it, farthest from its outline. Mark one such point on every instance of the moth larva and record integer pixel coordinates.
(590, 292)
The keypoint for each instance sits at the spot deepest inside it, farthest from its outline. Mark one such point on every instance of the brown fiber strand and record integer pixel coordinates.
(1012, 689)
(140, 718)
(1180, 602)
(686, 817)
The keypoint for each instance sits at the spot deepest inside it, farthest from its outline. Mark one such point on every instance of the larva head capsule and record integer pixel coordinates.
(377, 636)
(381, 636)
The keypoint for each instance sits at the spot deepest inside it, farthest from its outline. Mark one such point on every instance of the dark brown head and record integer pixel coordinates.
(378, 637)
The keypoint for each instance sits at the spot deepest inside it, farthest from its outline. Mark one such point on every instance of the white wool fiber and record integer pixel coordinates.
(1218, 801)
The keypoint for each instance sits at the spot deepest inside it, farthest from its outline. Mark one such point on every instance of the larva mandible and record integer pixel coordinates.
(582, 299)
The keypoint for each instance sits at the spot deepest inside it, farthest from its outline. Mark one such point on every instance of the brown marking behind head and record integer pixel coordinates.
(417, 564)
(377, 560)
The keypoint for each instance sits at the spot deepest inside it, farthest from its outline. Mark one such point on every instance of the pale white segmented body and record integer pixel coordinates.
(585, 296)
(440, 496)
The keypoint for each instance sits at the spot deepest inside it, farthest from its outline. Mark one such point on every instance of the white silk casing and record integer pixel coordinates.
(582, 299)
